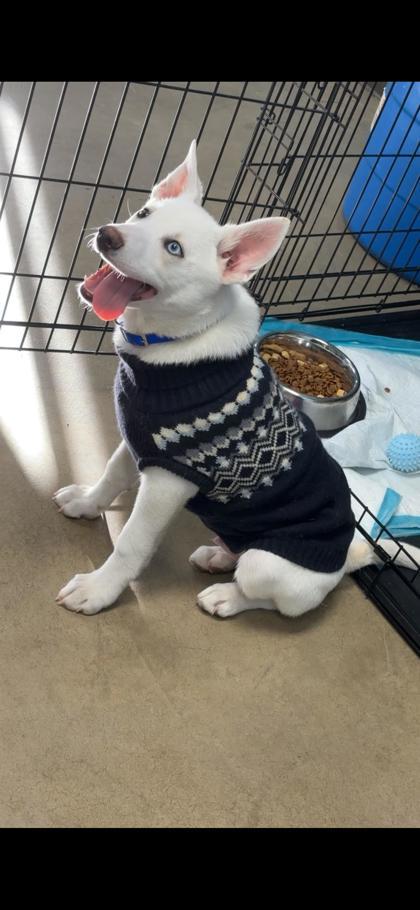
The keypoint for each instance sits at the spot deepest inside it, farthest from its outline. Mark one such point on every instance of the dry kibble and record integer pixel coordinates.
(304, 372)
(275, 348)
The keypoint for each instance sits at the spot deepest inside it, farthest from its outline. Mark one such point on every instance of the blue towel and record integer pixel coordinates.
(343, 337)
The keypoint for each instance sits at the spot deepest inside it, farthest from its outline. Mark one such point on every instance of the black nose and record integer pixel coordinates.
(109, 238)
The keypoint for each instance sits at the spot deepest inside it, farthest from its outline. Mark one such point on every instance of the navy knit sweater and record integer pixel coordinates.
(265, 480)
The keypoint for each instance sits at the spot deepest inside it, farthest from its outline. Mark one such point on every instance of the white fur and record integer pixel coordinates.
(160, 496)
(201, 302)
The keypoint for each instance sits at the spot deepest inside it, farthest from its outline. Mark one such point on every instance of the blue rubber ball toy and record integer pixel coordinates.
(403, 453)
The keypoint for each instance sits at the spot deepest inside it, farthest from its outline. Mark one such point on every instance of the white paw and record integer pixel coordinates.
(88, 593)
(221, 600)
(212, 559)
(75, 502)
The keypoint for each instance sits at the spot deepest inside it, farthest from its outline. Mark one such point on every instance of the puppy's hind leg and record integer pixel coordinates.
(227, 599)
(292, 589)
(214, 559)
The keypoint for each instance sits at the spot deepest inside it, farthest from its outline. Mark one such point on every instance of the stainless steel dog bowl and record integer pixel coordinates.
(326, 413)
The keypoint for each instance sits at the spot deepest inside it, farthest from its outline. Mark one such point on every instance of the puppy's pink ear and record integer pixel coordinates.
(245, 248)
(184, 180)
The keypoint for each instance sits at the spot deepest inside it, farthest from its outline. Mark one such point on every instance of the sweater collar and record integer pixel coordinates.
(219, 374)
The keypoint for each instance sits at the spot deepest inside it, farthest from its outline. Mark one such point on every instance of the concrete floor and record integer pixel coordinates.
(152, 713)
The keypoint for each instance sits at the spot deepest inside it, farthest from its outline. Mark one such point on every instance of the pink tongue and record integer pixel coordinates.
(111, 295)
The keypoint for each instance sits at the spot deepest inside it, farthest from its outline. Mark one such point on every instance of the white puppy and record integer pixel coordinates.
(203, 420)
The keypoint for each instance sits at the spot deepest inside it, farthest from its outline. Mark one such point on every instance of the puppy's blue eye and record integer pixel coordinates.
(173, 247)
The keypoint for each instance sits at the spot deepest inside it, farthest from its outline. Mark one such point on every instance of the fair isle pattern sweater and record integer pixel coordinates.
(264, 479)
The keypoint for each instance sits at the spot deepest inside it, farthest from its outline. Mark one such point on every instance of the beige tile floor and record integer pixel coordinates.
(153, 714)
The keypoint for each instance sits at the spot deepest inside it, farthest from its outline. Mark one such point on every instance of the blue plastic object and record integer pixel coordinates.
(382, 203)
(397, 525)
(388, 506)
(403, 453)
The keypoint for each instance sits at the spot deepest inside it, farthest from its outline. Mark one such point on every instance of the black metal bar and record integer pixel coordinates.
(319, 107)
(225, 140)
(39, 275)
(276, 146)
(70, 326)
(301, 315)
(283, 204)
(397, 280)
(91, 204)
(35, 324)
(378, 190)
(35, 196)
(338, 274)
(171, 133)
(64, 199)
(321, 201)
(384, 556)
(394, 258)
(131, 169)
(254, 141)
(390, 201)
(10, 347)
(283, 252)
(317, 158)
(276, 279)
(89, 209)
(213, 96)
(337, 209)
(228, 95)
(17, 149)
(327, 156)
(89, 183)
(300, 204)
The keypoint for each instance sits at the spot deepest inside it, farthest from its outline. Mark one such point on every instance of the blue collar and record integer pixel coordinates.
(142, 340)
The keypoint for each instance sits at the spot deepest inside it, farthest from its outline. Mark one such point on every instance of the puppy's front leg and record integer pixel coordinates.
(160, 496)
(121, 473)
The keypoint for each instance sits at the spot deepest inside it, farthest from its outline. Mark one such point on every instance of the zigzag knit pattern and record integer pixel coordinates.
(261, 434)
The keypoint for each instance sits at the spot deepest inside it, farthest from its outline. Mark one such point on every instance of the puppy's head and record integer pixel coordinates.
(173, 256)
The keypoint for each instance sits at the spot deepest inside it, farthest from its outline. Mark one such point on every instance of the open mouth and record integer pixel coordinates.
(110, 293)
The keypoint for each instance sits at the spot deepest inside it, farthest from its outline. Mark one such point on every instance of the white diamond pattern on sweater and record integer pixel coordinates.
(250, 452)
(231, 408)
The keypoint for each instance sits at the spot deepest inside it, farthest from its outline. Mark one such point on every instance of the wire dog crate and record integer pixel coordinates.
(75, 155)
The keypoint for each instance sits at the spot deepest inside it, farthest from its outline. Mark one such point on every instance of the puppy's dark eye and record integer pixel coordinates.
(173, 247)
(143, 213)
